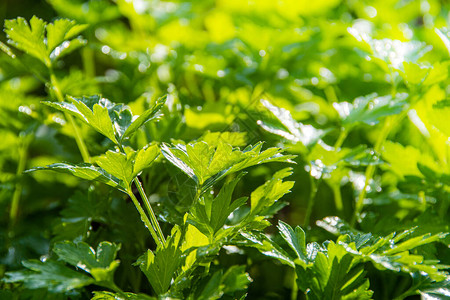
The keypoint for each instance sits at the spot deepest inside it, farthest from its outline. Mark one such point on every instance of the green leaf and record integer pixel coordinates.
(28, 38)
(295, 239)
(219, 284)
(50, 275)
(61, 30)
(414, 242)
(45, 42)
(97, 115)
(444, 36)
(390, 53)
(119, 165)
(115, 121)
(393, 252)
(267, 247)
(210, 215)
(84, 171)
(92, 110)
(144, 158)
(434, 290)
(212, 288)
(235, 139)
(81, 210)
(66, 48)
(290, 129)
(236, 279)
(150, 114)
(101, 263)
(126, 167)
(103, 295)
(404, 160)
(160, 267)
(222, 206)
(370, 109)
(94, 12)
(207, 165)
(223, 158)
(266, 195)
(415, 73)
(7, 50)
(200, 156)
(178, 157)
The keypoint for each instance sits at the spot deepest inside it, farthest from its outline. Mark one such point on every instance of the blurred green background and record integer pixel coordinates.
(216, 60)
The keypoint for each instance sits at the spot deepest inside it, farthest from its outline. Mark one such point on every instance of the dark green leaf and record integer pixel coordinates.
(101, 263)
(50, 275)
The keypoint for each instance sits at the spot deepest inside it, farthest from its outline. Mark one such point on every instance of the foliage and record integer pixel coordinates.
(149, 147)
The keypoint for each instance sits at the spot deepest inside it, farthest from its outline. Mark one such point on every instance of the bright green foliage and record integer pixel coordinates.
(210, 216)
(160, 267)
(335, 269)
(45, 42)
(266, 195)
(84, 171)
(116, 122)
(290, 130)
(352, 94)
(116, 169)
(369, 109)
(207, 165)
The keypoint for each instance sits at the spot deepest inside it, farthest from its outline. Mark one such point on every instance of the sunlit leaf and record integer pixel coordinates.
(370, 109)
(84, 171)
(46, 42)
(292, 131)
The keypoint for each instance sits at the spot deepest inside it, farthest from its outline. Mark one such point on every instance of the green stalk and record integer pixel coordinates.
(312, 200)
(409, 292)
(338, 198)
(342, 136)
(112, 286)
(23, 154)
(370, 171)
(78, 136)
(444, 204)
(87, 55)
(144, 218)
(154, 224)
(153, 219)
(294, 292)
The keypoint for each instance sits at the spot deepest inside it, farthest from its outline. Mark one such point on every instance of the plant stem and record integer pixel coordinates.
(371, 168)
(78, 136)
(294, 292)
(409, 292)
(87, 55)
(150, 211)
(111, 285)
(159, 236)
(23, 154)
(444, 204)
(144, 218)
(312, 200)
(338, 198)
(342, 135)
